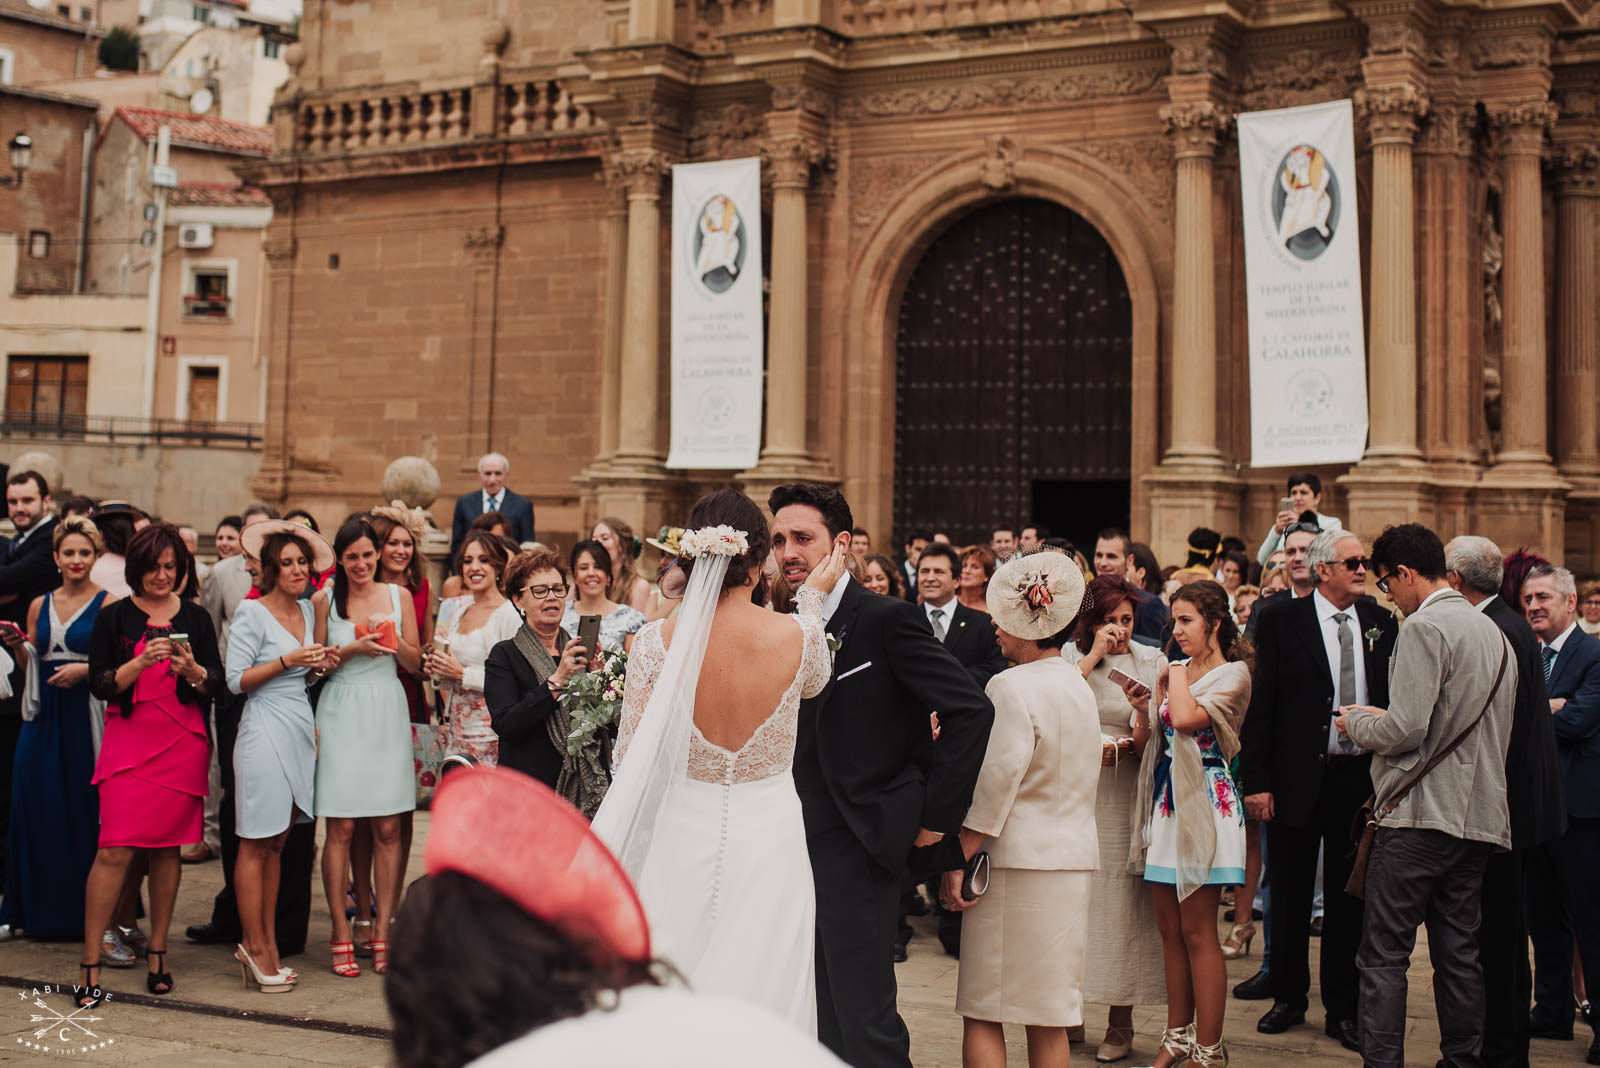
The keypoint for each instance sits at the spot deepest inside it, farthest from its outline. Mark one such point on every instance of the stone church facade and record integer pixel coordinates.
(1005, 273)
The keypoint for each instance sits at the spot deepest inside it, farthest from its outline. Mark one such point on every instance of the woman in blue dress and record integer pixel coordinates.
(1188, 834)
(55, 812)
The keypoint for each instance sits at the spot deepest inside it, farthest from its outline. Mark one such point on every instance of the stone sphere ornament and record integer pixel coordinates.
(43, 462)
(410, 479)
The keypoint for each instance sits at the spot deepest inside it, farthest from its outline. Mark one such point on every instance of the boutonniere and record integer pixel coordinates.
(834, 645)
(1372, 634)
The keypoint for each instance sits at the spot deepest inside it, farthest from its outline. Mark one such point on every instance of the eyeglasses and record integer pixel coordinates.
(1383, 583)
(540, 593)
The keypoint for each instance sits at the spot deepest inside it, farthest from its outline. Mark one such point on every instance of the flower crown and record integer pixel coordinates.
(714, 541)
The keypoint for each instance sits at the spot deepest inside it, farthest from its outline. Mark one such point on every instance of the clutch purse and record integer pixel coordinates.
(387, 637)
(975, 879)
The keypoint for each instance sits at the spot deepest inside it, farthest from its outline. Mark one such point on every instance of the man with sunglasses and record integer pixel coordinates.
(1439, 760)
(1305, 781)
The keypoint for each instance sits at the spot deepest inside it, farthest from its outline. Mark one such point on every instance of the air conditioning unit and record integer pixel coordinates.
(194, 235)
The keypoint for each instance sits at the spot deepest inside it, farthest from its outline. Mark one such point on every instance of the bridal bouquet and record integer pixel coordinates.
(593, 698)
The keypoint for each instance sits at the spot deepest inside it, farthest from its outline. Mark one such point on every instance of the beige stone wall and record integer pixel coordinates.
(51, 195)
(233, 343)
(46, 53)
(366, 42)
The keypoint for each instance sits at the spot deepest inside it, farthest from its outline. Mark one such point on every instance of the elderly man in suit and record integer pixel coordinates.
(877, 795)
(1475, 567)
(1564, 875)
(969, 636)
(1305, 781)
(1439, 783)
(493, 496)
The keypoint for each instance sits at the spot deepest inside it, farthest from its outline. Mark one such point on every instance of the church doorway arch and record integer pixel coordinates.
(1014, 378)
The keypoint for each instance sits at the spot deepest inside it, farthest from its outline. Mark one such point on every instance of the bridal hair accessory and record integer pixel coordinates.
(714, 541)
(1037, 595)
(547, 860)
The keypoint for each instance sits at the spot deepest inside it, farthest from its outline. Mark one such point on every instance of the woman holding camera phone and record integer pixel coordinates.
(592, 582)
(1024, 941)
(272, 648)
(153, 660)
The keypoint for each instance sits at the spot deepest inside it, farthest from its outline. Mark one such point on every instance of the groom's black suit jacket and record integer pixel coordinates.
(862, 756)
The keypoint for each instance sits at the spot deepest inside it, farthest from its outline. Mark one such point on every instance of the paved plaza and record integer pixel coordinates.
(212, 1020)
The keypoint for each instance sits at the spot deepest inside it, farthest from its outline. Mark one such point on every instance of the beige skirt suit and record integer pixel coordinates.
(1023, 944)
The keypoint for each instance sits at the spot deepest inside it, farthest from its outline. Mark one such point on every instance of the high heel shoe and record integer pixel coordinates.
(380, 957)
(88, 994)
(162, 978)
(1238, 941)
(250, 972)
(1179, 1041)
(344, 959)
(1209, 1056)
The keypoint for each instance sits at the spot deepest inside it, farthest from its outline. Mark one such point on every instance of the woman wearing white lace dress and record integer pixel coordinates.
(469, 627)
(703, 812)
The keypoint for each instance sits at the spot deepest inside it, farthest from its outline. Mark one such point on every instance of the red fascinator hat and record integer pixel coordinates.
(515, 834)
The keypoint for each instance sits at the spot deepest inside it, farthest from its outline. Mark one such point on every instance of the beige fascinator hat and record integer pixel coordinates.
(415, 520)
(1036, 595)
(254, 536)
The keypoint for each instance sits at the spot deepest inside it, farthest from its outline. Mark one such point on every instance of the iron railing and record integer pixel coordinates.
(131, 429)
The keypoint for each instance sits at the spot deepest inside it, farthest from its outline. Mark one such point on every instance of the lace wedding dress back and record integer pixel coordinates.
(726, 878)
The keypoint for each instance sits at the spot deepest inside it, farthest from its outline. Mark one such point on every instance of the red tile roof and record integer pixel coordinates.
(200, 131)
(217, 195)
(21, 9)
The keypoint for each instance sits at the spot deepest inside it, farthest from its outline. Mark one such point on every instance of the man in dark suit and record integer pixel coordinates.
(875, 791)
(1564, 875)
(1306, 781)
(1475, 567)
(1111, 551)
(493, 497)
(27, 569)
(916, 541)
(969, 636)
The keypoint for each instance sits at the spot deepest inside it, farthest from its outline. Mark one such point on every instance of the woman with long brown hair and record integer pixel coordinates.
(1189, 832)
(627, 585)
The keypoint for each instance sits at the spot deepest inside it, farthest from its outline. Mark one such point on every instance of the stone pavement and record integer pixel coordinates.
(211, 1019)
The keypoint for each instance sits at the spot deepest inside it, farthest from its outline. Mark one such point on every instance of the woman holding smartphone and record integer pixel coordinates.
(364, 769)
(55, 816)
(272, 647)
(591, 578)
(1124, 962)
(153, 660)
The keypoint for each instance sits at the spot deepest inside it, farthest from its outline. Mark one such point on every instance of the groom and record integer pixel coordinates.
(875, 789)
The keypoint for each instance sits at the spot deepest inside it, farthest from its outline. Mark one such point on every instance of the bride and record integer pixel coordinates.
(702, 811)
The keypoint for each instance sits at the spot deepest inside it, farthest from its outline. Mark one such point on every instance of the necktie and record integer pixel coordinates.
(1347, 660)
(1549, 663)
(937, 616)
(494, 504)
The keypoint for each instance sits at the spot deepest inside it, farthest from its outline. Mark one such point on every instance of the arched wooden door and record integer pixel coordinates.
(1014, 397)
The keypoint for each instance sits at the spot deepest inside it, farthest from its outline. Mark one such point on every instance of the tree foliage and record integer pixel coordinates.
(119, 49)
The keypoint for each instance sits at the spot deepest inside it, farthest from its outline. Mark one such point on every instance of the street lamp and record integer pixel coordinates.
(21, 155)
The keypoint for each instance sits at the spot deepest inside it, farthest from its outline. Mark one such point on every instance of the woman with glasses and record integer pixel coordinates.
(525, 673)
(1589, 608)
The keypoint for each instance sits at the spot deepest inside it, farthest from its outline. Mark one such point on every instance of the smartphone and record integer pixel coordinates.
(13, 628)
(589, 634)
(180, 640)
(1285, 504)
(1122, 678)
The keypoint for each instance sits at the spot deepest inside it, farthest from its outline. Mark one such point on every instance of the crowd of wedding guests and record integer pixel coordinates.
(1170, 742)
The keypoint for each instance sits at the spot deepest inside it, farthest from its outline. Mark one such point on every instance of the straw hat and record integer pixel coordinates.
(547, 860)
(256, 534)
(1036, 595)
(667, 541)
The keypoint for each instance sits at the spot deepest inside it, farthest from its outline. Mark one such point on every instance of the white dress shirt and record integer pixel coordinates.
(1561, 639)
(948, 609)
(490, 504)
(830, 603)
(1338, 744)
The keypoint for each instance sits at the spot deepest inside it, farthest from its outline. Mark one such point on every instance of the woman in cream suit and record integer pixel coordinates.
(1023, 945)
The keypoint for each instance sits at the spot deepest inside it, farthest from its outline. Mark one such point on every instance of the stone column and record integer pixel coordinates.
(1392, 113)
(1521, 127)
(616, 279)
(1195, 127)
(1577, 170)
(272, 480)
(482, 253)
(638, 441)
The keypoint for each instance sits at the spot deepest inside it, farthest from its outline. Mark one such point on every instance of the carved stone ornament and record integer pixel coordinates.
(1448, 130)
(1147, 163)
(1196, 126)
(790, 161)
(1521, 126)
(1300, 77)
(1389, 38)
(1002, 93)
(729, 132)
(1495, 51)
(999, 171)
(1199, 57)
(1580, 103)
(787, 96)
(1577, 169)
(279, 254)
(640, 170)
(482, 243)
(1392, 112)
(877, 184)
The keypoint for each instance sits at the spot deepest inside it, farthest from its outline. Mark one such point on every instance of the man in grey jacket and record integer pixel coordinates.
(1428, 856)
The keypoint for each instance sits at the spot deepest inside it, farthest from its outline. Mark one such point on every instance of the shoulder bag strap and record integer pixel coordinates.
(1434, 761)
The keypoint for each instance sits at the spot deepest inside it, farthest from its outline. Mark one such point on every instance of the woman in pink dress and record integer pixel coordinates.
(153, 659)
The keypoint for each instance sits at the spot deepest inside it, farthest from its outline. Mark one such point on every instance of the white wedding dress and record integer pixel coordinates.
(720, 863)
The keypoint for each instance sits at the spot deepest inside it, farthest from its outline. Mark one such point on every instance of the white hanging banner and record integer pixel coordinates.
(1302, 260)
(716, 314)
